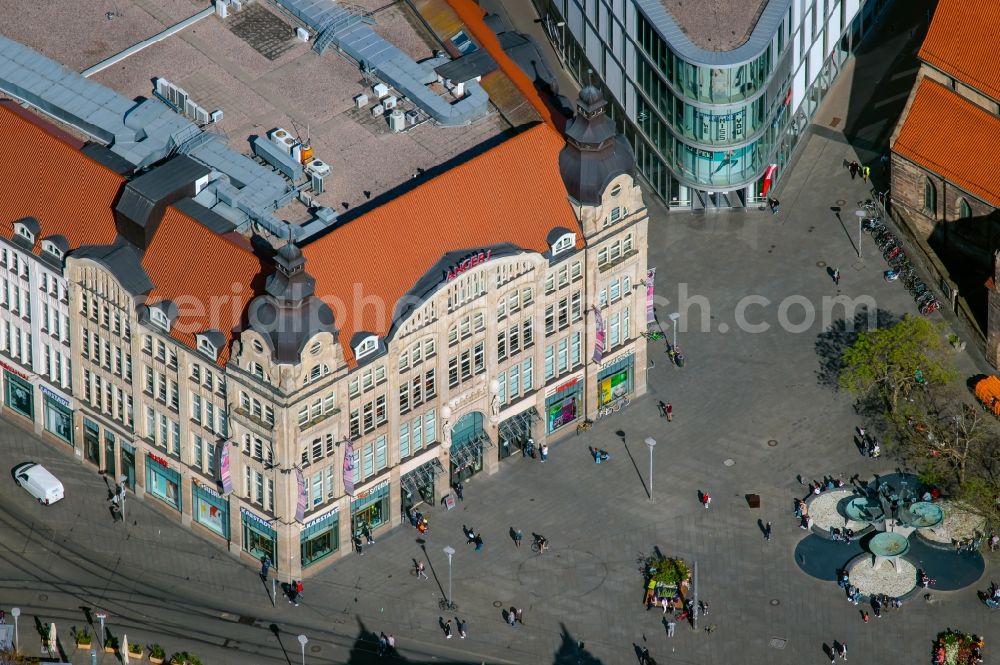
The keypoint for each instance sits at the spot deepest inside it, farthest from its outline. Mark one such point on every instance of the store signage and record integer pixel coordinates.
(14, 371)
(256, 518)
(159, 460)
(208, 490)
(322, 518)
(630, 352)
(567, 385)
(365, 493)
(469, 263)
(57, 398)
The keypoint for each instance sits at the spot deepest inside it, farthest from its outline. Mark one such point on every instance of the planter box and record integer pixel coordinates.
(82, 645)
(110, 650)
(135, 655)
(156, 661)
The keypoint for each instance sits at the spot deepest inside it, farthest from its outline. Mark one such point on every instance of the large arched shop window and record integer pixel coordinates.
(466, 429)
(964, 211)
(930, 197)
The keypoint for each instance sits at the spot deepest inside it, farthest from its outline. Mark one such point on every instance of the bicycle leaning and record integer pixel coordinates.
(540, 544)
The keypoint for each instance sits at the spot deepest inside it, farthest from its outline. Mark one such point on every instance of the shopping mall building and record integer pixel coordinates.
(712, 115)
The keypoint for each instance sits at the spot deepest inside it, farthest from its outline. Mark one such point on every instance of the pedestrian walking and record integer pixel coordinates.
(865, 172)
(293, 594)
(461, 629)
(853, 168)
(470, 534)
(842, 650)
(358, 546)
(774, 203)
(994, 542)
(519, 614)
(265, 565)
(366, 531)
(298, 589)
(836, 277)
(706, 499)
(670, 412)
(422, 526)
(666, 604)
(512, 616)
(383, 644)
(391, 642)
(420, 571)
(517, 538)
(460, 490)
(479, 542)
(671, 625)
(447, 629)
(544, 450)
(767, 532)
(703, 606)
(864, 616)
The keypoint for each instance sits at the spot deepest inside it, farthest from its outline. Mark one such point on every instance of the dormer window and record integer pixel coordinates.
(565, 242)
(51, 248)
(159, 317)
(23, 231)
(366, 347)
(206, 347)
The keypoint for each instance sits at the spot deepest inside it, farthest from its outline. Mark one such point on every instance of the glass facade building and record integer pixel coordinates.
(705, 124)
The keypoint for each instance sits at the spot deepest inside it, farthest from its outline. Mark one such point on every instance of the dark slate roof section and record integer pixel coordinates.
(760, 37)
(594, 153)
(215, 338)
(59, 241)
(108, 159)
(141, 194)
(123, 261)
(213, 221)
(468, 67)
(556, 233)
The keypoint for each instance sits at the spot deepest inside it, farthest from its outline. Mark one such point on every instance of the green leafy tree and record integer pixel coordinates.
(889, 364)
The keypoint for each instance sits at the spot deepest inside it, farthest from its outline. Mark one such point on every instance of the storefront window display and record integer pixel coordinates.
(210, 509)
(162, 482)
(259, 539)
(370, 507)
(58, 416)
(109, 455)
(467, 440)
(128, 464)
(320, 537)
(92, 441)
(563, 407)
(19, 395)
(515, 431)
(615, 380)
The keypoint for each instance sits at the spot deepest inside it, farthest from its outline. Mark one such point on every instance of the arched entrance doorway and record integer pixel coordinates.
(468, 438)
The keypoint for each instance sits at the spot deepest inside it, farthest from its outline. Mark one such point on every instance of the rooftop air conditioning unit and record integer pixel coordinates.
(278, 136)
(318, 167)
(287, 144)
(397, 120)
(361, 101)
(380, 90)
(302, 34)
(237, 5)
(222, 8)
(318, 182)
(412, 116)
(378, 111)
(390, 102)
(217, 115)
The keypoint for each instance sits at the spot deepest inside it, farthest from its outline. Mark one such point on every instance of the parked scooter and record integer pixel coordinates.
(891, 275)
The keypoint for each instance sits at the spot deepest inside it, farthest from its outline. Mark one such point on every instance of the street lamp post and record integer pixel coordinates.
(651, 442)
(861, 218)
(101, 616)
(450, 551)
(562, 42)
(15, 612)
(302, 642)
(673, 319)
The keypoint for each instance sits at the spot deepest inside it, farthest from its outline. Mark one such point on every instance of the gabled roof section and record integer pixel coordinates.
(512, 193)
(963, 42)
(209, 277)
(954, 138)
(44, 175)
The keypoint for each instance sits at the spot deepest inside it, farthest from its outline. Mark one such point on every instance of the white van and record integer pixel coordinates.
(39, 482)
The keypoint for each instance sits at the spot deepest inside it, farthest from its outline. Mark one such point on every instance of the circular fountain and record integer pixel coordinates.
(864, 509)
(923, 515)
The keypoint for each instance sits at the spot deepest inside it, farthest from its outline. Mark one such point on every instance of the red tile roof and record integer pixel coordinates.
(512, 193)
(954, 138)
(210, 277)
(964, 40)
(44, 175)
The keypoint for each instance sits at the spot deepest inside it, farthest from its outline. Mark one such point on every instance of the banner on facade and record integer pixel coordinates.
(598, 336)
(769, 178)
(349, 468)
(300, 505)
(650, 312)
(225, 478)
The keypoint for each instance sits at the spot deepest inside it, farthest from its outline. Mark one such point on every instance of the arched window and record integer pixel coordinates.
(930, 197)
(964, 211)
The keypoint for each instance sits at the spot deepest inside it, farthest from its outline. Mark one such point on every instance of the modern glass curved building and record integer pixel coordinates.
(709, 94)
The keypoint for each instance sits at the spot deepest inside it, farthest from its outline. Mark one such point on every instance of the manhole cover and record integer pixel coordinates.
(775, 602)
(497, 603)
(821, 264)
(859, 265)
(247, 621)
(777, 642)
(841, 202)
(729, 462)
(315, 648)
(43, 596)
(772, 442)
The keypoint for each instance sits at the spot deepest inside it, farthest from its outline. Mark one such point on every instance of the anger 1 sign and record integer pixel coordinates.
(471, 262)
